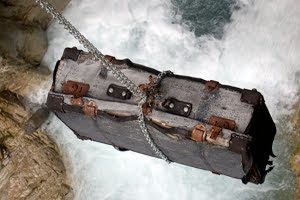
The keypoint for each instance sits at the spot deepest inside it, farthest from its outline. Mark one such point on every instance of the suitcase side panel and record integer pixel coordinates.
(127, 135)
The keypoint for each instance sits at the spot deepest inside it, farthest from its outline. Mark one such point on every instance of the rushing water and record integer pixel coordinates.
(246, 43)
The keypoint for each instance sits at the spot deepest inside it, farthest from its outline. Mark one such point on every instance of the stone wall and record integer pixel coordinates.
(30, 164)
(23, 26)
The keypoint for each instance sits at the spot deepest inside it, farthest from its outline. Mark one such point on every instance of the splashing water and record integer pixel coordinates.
(255, 46)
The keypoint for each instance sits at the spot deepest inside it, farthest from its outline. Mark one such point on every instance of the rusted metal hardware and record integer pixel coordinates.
(212, 86)
(147, 108)
(177, 107)
(77, 101)
(118, 92)
(151, 89)
(71, 53)
(110, 58)
(76, 88)
(222, 122)
(199, 133)
(214, 132)
(90, 108)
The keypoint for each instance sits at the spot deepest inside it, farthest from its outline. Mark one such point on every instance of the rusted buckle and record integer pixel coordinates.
(199, 133)
(77, 101)
(152, 91)
(222, 122)
(214, 132)
(90, 108)
(212, 86)
(110, 58)
(76, 88)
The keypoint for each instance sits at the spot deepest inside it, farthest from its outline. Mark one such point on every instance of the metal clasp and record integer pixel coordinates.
(118, 92)
(214, 132)
(177, 107)
(212, 86)
(222, 122)
(199, 133)
(76, 88)
(90, 108)
(77, 101)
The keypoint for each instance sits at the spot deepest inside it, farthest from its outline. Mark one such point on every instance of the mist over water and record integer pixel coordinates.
(248, 44)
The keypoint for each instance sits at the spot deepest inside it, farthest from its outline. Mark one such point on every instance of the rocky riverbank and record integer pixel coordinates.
(30, 163)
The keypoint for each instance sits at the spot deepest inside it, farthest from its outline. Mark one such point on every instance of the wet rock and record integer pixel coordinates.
(295, 162)
(295, 159)
(21, 78)
(27, 12)
(30, 164)
(28, 43)
(296, 117)
(23, 26)
(36, 120)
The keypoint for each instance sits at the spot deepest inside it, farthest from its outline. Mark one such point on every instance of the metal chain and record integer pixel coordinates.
(117, 73)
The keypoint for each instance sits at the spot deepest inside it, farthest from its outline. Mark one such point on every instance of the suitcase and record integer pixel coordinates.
(202, 124)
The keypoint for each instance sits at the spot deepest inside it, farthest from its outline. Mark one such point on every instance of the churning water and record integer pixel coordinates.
(245, 43)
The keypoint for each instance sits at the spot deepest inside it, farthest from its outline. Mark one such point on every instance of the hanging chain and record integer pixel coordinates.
(117, 73)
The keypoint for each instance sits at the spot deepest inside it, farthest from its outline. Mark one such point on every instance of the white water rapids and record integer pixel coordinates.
(260, 48)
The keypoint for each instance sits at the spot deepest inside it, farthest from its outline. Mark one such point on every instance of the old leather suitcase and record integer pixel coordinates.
(203, 124)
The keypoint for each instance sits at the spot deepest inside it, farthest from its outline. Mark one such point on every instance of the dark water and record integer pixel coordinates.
(205, 17)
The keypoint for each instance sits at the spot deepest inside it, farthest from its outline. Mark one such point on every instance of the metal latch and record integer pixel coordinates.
(90, 108)
(77, 101)
(118, 92)
(199, 133)
(76, 88)
(214, 132)
(222, 122)
(212, 86)
(177, 107)
(111, 59)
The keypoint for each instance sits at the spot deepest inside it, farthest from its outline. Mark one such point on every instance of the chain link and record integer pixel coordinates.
(118, 74)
